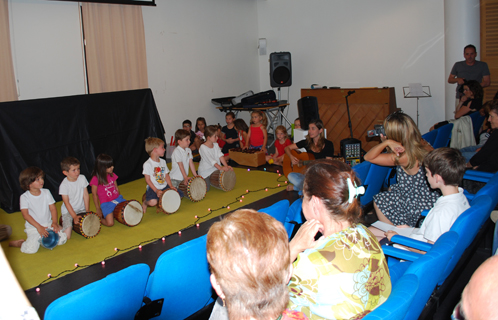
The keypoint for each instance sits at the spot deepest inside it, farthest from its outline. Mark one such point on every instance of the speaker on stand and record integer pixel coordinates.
(307, 108)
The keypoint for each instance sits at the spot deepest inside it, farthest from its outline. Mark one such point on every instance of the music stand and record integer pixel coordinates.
(416, 90)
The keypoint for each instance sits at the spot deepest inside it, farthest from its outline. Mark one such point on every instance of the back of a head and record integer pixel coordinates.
(328, 181)
(248, 253)
(447, 162)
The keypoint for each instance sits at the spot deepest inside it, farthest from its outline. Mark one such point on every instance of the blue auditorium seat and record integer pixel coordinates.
(428, 269)
(294, 215)
(443, 136)
(361, 171)
(277, 210)
(181, 277)
(491, 188)
(430, 136)
(373, 182)
(477, 121)
(398, 302)
(117, 296)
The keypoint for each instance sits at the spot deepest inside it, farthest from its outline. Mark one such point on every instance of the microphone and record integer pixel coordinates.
(351, 92)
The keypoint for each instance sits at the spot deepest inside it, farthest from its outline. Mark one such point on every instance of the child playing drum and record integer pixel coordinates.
(74, 194)
(181, 159)
(211, 156)
(105, 190)
(156, 173)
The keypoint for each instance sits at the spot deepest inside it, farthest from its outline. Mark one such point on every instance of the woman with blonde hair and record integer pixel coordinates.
(343, 274)
(248, 253)
(406, 149)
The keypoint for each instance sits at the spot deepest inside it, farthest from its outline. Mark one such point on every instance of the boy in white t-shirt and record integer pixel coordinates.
(445, 168)
(181, 159)
(39, 211)
(156, 173)
(74, 192)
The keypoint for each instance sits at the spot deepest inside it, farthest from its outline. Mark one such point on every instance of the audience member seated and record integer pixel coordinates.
(445, 168)
(480, 296)
(248, 253)
(343, 274)
(484, 133)
(486, 159)
(406, 149)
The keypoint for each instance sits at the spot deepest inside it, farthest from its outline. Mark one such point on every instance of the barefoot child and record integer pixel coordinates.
(181, 159)
(105, 190)
(74, 194)
(282, 142)
(257, 135)
(211, 156)
(39, 211)
(156, 173)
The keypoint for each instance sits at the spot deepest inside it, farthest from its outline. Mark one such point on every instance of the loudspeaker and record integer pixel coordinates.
(280, 69)
(308, 110)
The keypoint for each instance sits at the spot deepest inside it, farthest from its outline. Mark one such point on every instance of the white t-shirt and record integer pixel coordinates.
(38, 207)
(183, 156)
(209, 157)
(157, 172)
(441, 217)
(75, 192)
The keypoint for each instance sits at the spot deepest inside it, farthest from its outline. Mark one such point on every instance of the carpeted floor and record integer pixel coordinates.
(31, 270)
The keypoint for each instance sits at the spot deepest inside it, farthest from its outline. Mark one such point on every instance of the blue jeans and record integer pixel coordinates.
(469, 152)
(297, 179)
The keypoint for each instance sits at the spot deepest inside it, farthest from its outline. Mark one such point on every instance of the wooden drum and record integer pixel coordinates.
(223, 180)
(129, 213)
(170, 201)
(89, 225)
(196, 189)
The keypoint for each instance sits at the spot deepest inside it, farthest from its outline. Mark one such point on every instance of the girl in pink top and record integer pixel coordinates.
(280, 144)
(105, 190)
(257, 135)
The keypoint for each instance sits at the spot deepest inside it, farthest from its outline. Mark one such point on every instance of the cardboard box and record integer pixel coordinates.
(244, 158)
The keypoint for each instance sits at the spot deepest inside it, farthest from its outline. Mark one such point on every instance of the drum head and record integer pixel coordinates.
(133, 213)
(228, 180)
(170, 201)
(198, 189)
(91, 225)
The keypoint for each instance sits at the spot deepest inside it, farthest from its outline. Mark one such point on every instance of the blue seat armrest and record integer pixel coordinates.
(400, 253)
(477, 176)
(412, 243)
(469, 196)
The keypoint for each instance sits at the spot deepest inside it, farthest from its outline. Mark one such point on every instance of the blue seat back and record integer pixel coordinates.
(373, 182)
(430, 136)
(477, 121)
(467, 226)
(361, 171)
(294, 214)
(428, 268)
(398, 302)
(443, 136)
(117, 296)
(181, 277)
(277, 210)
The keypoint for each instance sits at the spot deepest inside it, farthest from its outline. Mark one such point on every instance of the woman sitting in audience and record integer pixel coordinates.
(248, 252)
(411, 195)
(343, 274)
(486, 159)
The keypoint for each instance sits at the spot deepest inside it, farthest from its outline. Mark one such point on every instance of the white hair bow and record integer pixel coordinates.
(354, 191)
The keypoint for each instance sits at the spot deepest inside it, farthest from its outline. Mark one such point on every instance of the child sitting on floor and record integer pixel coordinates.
(74, 194)
(181, 159)
(445, 168)
(242, 130)
(282, 142)
(39, 211)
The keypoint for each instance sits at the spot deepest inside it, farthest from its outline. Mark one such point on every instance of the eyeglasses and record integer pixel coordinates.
(458, 312)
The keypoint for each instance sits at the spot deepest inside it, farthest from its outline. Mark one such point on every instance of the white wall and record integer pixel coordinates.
(199, 50)
(359, 43)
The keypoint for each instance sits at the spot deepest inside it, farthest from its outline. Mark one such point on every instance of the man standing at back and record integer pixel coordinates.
(469, 69)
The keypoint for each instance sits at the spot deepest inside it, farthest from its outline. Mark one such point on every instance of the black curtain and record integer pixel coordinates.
(44, 131)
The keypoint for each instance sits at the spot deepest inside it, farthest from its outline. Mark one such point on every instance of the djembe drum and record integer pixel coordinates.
(223, 180)
(170, 201)
(129, 213)
(89, 225)
(195, 190)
